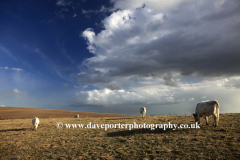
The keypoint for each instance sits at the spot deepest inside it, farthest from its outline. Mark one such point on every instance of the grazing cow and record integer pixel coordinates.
(35, 123)
(205, 109)
(77, 116)
(143, 111)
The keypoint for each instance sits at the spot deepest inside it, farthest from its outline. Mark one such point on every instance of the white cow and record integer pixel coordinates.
(205, 109)
(143, 111)
(35, 123)
(77, 116)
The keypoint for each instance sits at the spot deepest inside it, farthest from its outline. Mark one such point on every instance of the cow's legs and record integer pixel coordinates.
(198, 119)
(214, 120)
(206, 120)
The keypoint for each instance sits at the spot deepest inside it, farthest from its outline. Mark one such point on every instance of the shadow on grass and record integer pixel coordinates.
(146, 131)
(22, 129)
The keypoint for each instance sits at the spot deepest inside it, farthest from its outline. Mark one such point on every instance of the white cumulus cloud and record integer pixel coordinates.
(108, 97)
(150, 42)
(14, 69)
(162, 52)
(16, 91)
(191, 99)
(233, 82)
(17, 69)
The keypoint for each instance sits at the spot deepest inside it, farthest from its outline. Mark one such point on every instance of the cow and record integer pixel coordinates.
(35, 123)
(143, 111)
(205, 109)
(77, 116)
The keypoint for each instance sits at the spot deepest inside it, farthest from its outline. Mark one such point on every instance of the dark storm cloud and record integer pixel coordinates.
(169, 81)
(228, 9)
(199, 39)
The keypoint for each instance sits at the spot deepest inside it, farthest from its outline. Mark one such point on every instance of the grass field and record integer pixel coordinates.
(20, 113)
(19, 141)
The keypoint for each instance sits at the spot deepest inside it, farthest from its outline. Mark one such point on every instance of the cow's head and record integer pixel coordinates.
(195, 117)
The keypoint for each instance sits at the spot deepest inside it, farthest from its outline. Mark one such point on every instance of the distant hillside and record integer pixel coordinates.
(20, 112)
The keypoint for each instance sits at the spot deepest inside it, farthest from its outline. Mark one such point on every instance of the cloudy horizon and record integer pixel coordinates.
(116, 56)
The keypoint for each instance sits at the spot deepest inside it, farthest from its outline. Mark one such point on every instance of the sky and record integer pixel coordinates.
(115, 56)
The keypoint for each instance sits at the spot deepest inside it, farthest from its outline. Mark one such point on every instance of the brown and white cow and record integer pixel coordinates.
(205, 109)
